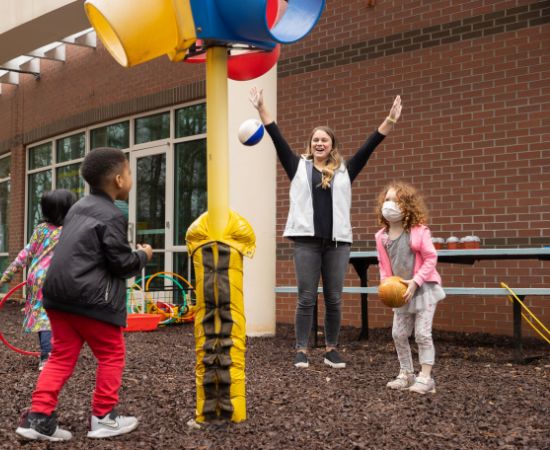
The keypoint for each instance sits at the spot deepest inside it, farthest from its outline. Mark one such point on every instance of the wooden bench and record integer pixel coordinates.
(473, 291)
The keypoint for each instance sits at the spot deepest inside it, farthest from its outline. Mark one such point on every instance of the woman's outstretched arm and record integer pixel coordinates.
(359, 160)
(288, 158)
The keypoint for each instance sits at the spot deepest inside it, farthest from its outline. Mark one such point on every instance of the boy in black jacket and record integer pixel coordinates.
(85, 298)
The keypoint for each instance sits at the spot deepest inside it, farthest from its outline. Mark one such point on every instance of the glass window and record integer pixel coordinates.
(4, 209)
(191, 120)
(151, 200)
(4, 203)
(153, 128)
(38, 184)
(182, 265)
(116, 135)
(68, 177)
(40, 156)
(4, 263)
(190, 185)
(71, 147)
(123, 206)
(154, 266)
(5, 167)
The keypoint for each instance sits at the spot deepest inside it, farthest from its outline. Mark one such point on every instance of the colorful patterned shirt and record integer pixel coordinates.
(37, 256)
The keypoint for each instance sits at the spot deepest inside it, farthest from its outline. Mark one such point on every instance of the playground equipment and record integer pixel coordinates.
(2, 337)
(530, 317)
(149, 307)
(218, 240)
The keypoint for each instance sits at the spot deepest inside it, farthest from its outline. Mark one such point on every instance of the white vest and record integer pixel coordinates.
(300, 214)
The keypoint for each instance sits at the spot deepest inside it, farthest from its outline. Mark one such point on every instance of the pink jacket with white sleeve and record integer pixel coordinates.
(425, 255)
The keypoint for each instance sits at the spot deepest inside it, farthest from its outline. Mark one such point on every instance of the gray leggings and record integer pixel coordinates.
(403, 325)
(313, 258)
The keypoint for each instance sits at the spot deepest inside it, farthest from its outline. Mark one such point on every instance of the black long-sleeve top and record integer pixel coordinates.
(322, 198)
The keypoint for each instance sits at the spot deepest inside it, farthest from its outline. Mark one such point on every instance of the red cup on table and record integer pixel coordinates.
(452, 242)
(439, 243)
(470, 242)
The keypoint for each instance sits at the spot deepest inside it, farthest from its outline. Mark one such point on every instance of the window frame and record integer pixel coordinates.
(171, 141)
(6, 180)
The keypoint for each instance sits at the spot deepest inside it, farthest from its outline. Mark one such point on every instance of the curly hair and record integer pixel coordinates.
(334, 158)
(409, 200)
(101, 164)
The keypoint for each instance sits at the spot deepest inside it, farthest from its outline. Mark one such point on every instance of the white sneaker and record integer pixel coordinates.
(403, 381)
(111, 425)
(423, 385)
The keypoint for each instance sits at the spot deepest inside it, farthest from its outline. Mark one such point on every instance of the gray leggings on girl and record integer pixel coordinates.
(313, 258)
(403, 325)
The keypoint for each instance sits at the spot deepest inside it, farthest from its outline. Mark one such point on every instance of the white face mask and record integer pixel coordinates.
(392, 212)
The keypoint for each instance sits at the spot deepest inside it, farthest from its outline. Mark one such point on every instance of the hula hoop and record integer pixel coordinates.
(165, 309)
(170, 276)
(168, 316)
(184, 310)
(2, 338)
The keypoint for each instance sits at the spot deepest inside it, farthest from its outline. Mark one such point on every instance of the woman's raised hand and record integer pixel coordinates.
(395, 111)
(256, 97)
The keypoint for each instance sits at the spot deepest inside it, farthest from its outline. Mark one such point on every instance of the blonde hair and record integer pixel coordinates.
(409, 200)
(333, 161)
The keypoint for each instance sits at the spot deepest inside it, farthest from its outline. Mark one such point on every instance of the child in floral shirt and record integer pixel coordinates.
(36, 256)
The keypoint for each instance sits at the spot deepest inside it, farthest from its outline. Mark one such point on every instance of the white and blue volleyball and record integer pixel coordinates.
(251, 132)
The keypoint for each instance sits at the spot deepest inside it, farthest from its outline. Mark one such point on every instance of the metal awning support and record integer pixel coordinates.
(86, 38)
(9, 77)
(54, 51)
(31, 67)
(29, 64)
(20, 65)
(13, 75)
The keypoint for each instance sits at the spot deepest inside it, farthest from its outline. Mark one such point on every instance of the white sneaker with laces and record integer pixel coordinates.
(423, 385)
(403, 381)
(111, 425)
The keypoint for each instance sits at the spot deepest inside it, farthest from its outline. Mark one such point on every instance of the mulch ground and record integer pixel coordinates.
(483, 400)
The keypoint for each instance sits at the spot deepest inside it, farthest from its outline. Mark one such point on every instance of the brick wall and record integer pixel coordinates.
(474, 136)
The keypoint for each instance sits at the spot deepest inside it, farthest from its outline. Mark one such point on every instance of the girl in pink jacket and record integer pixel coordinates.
(405, 249)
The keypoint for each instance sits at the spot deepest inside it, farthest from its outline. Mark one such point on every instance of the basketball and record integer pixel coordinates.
(251, 132)
(391, 291)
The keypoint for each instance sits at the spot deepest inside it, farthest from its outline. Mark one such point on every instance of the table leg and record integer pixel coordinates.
(364, 333)
(361, 268)
(518, 347)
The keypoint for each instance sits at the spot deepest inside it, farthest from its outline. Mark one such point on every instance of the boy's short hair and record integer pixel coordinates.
(101, 164)
(55, 205)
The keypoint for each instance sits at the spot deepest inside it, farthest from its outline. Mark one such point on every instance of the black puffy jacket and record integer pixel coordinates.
(91, 262)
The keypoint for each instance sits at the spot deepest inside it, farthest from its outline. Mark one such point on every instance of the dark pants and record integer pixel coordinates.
(313, 258)
(45, 338)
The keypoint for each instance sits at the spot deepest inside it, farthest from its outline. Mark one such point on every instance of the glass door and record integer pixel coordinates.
(149, 220)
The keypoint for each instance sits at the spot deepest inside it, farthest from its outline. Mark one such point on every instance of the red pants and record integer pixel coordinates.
(70, 332)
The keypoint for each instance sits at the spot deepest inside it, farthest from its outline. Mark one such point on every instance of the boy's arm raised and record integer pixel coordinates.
(122, 260)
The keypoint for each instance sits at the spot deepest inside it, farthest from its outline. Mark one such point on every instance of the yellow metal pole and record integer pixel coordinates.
(216, 141)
